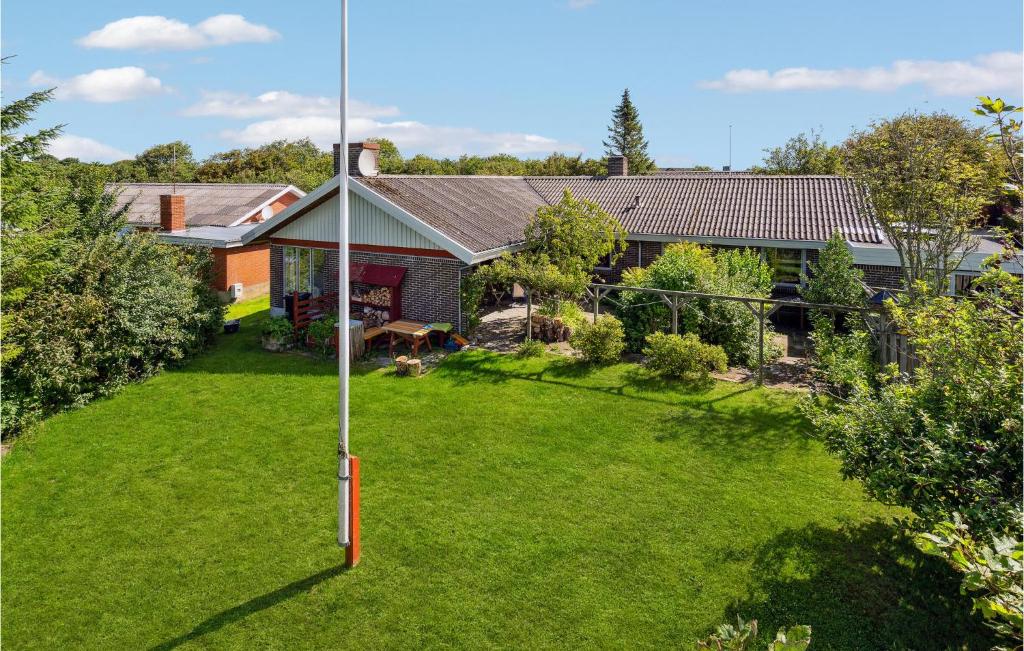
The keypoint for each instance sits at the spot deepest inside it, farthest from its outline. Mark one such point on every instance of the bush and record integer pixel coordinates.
(122, 308)
(601, 342)
(948, 437)
(993, 572)
(689, 267)
(571, 314)
(277, 327)
(321, 332)
(531, 348)
(685, 357)
(743, 636)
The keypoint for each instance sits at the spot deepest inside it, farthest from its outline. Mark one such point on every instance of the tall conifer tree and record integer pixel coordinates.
(626, 137)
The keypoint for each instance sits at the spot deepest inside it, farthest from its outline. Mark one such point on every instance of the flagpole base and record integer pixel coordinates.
(352, 549)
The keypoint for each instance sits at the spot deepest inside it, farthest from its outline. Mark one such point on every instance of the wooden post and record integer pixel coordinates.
(352, 551)
(760, 345)
(675, 315)
(597, 302)
(529, 314)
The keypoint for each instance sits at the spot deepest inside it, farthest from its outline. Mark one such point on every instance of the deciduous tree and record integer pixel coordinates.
(928, 178)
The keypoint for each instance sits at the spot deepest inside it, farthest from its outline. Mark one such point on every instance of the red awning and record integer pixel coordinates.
(381, 275)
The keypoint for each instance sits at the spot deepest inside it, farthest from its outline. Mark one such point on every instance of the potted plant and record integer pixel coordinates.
(321, 334)
(277, 333)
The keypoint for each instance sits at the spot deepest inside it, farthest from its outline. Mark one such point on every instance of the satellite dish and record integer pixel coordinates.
(367, 163)
(266, 213)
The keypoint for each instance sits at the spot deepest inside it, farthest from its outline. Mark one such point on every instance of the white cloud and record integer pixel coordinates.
(103, 85)
(410, 136)
(279, 103)
(580, 4)
(987, 73)
(85, 149)
(292, 116)
(162, 33)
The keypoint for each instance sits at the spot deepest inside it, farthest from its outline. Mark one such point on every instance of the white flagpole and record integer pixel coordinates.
(344, 333)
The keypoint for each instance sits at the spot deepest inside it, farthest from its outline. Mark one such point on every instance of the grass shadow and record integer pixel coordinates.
(861, 586)
(243, 353)
(482, 366)
(254, 605)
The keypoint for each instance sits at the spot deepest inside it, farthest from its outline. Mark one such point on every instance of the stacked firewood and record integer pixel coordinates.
(377, 296)
(549, 329)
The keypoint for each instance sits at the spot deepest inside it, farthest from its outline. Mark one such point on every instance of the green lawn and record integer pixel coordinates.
(510, 503)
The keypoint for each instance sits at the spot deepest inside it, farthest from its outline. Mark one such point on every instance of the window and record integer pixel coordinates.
(605, 263)
(305, 270)
(786, 264)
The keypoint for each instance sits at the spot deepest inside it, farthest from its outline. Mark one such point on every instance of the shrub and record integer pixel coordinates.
(471, 296)
(321, 331)
(277, 327)
(947, 437)
(571, 314)
(833, 279)
(993, 572)
(531, 348)
(122, 309)
(601, 342)
(691, 267)
(743, 636)
(684, 356)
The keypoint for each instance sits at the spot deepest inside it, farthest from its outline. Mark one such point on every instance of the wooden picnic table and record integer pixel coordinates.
(411, 332)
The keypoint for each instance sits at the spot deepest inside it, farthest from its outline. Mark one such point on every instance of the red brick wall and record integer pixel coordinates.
(276, 207)
(249, 265)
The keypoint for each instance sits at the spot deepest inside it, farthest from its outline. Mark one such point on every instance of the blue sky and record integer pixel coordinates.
(525, 77)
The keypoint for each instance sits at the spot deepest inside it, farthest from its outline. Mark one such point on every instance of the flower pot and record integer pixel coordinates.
(231, 327)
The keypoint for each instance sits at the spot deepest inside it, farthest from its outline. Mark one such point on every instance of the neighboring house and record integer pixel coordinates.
(212, 215)
(431, 230)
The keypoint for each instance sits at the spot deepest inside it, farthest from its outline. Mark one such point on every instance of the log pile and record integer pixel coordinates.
(549, 329)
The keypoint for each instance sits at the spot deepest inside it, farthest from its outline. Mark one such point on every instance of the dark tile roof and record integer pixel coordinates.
(206, 204)
(689, 171)
(478, 212)
(803, 208)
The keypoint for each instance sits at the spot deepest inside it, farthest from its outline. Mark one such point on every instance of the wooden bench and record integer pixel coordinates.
(370, 334)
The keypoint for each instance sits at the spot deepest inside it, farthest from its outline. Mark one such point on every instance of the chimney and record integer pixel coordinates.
(726, 168)
(618, 166)
(172, 212)
(371, 163)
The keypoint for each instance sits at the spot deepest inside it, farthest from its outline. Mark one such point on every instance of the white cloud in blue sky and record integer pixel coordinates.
(87, 149)
(446, 78)
(161, 33)
(999, 71)
(104, 85)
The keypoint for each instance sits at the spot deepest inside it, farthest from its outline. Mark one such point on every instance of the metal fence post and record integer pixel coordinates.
(597, 301)
(675, 315)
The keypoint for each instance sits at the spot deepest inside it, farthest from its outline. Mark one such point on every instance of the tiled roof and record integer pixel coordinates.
(689, 171)
(206, 204)
(478, 212)
(803, 208)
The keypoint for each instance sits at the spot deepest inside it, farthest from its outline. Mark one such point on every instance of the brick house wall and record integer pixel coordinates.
(881, 276)
(430, 288)
(637, 254)
(249, 265)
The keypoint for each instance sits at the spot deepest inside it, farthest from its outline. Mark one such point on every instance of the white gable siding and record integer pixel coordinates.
(369, 225)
